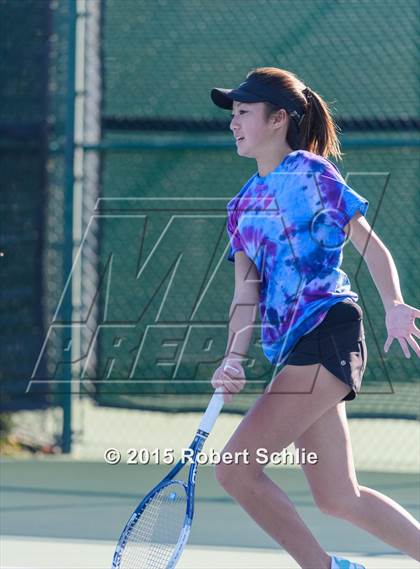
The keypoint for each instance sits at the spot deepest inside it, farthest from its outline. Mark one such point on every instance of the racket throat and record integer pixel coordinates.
(202, 434)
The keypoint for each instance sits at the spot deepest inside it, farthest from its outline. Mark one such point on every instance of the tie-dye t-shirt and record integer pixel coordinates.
(290, 223)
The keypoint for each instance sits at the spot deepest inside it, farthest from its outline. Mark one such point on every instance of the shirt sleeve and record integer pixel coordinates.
(233, 233)
(339, 200)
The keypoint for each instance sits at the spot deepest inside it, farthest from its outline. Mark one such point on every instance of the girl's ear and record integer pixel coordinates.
(279, 118)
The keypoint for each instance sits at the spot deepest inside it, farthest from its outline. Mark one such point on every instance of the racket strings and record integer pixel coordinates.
(153, 538)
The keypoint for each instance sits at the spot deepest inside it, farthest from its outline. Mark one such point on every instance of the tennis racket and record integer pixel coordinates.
(157, 532)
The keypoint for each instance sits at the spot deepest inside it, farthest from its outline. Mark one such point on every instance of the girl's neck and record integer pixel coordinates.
(270, 162)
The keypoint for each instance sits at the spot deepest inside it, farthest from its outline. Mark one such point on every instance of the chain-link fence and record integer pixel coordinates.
(141, 165)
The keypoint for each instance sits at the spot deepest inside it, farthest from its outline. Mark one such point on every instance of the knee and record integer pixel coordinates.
(340, 506)
(233, 477)
(226, 474)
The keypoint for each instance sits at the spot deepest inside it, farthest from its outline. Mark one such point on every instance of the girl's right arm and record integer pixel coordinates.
(244, 308)
(242, 315)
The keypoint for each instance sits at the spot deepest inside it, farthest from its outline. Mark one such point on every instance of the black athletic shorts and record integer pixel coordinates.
(338, 343)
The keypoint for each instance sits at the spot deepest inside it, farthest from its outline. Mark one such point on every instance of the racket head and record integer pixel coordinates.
(157, 532)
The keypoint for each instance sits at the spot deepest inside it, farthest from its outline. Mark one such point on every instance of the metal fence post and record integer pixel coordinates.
(68, 217)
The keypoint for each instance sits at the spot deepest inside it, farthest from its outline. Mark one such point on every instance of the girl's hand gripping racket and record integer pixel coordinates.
(157, 532)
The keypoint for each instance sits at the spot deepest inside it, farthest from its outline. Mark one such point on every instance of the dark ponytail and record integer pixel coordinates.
(312, 128)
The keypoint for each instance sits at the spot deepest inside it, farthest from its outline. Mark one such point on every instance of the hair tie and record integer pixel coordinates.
(308, 94)
(297, 117)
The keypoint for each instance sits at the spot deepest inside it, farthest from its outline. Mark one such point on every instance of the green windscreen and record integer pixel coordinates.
(23, 156)
(169, 168)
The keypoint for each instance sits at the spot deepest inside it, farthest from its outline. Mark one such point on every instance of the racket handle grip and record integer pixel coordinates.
(212, 411)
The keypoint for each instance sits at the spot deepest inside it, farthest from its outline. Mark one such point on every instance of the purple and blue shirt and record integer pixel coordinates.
(290, 223)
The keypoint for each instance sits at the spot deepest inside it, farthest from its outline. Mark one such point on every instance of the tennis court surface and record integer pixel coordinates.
(61, 514)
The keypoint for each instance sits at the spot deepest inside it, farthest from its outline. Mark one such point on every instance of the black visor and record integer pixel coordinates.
(254, 91)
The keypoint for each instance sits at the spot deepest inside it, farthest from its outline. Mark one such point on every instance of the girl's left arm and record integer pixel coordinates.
(400, 317)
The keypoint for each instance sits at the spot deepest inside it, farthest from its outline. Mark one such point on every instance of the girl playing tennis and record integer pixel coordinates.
(287, 228)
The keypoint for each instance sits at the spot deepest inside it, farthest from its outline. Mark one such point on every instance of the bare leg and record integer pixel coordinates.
(285, 411)
(272, 510)
(335, 488)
